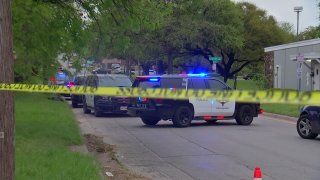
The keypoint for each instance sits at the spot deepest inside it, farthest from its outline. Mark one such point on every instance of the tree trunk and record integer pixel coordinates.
(170, 63)
(7, 151)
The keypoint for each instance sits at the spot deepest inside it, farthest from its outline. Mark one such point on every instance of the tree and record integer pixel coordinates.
(7, 121)
(311, 32)
(42, 31)
(261, 31)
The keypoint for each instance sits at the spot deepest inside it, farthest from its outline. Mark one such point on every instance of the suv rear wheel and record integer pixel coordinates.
(183, 116)
(74, 104)
(304, 128)
(245, 115)
(149, 120)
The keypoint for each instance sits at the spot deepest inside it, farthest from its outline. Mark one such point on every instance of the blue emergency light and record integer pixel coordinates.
(154, 79)
(195, 75)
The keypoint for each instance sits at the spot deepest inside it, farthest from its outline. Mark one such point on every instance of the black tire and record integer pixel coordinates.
(97, 113)
(245, 115)
(211, 121)
(85, 108)
(304, 128)
(150, 121)
(183, 116)
(74, 104)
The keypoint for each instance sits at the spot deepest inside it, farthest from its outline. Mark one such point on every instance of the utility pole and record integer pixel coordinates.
(298, 9)
(7, 122)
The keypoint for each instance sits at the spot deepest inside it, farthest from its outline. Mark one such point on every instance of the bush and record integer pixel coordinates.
(260, 80)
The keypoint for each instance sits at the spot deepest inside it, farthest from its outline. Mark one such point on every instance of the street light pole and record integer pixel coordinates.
(298, 9)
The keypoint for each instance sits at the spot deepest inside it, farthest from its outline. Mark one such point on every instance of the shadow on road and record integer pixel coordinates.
(193, 125)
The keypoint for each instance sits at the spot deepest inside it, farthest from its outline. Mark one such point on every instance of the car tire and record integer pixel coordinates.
(182, 117)
(245, 115)
(304, 128)
(97, 113)
(85, 108)
(150, 121)
(211, 121)
(74, 104)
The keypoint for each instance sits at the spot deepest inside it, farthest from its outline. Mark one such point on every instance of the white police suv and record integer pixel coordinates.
(182, 112)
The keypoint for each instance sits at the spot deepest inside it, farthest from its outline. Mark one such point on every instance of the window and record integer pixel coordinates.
(93, 82)
(115, 81)
(216, 85)
(197, 84)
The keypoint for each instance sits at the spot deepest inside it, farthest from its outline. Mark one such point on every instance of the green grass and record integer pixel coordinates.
(244, 84)
(283, 109)
(44, 130)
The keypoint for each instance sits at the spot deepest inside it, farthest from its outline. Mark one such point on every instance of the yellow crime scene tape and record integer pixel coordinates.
(262, 96)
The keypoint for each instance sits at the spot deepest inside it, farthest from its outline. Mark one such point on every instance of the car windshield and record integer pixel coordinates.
(79, 81)
(61, 77)
(115, 81)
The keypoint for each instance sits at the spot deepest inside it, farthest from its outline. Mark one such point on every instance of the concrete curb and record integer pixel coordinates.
(278, 116)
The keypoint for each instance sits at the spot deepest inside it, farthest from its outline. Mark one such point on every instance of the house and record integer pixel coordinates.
(294, 65)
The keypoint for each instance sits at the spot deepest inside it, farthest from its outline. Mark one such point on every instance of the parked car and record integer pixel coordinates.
(76, 99)
(308, 124)
(62, 79)
(248, 76)
(106, 104)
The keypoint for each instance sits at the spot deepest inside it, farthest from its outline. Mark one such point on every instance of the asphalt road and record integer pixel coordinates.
(223, 151)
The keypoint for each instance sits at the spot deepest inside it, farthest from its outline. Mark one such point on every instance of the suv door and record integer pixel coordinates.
(93, 83)
(221, 108)
(202, 107)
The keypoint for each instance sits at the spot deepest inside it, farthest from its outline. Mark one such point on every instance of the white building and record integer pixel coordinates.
(282, 65)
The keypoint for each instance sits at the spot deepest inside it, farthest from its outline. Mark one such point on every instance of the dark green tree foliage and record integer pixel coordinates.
(42, 31)
(260, 31)
(310, 33)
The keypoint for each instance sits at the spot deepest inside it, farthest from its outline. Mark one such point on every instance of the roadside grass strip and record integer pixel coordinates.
(45, 130)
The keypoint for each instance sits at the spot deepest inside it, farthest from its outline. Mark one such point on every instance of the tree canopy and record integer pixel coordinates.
(165, 31)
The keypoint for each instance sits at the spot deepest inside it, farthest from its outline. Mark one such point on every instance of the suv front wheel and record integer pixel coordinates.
(149, 120)
(304, 128)
(183, 116)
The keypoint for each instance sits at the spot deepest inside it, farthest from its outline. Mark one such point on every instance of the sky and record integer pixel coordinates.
(282, 10)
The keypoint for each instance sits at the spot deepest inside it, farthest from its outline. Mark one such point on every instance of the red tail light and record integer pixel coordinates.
(220, 117)
(143, 99)
(261, 111)
(158, 100)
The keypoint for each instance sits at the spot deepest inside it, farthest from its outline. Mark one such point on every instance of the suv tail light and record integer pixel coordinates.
(143, 99)
(261, 111)
(158, 100)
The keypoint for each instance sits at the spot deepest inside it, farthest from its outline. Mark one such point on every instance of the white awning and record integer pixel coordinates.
(313, 56)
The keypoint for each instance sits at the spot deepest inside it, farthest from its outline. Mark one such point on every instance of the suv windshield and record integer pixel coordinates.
(163, 83)
(115, 81)
(79, 80)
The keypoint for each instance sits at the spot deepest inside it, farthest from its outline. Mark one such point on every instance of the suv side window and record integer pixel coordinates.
(88, 79)
(197, 84)
(93, 82)
(216, 85)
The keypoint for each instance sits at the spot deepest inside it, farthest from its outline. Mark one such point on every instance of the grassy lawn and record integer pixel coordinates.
(243, 84)
(283, 109)
(44, 130)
